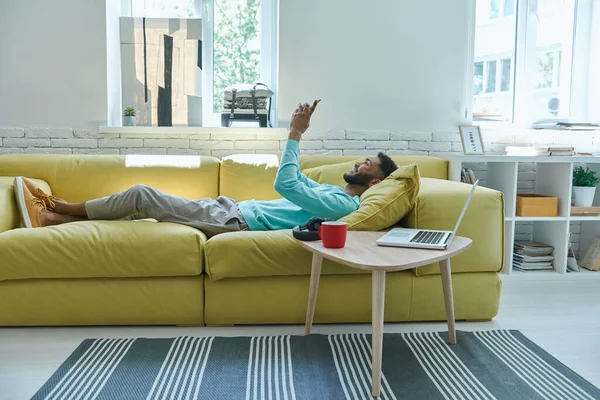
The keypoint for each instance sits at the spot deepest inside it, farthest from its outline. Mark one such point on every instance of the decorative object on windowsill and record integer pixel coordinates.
(591, 260)
(535, 205)
(584, 186)
(129, 117)
(472, 141)
(247, 102)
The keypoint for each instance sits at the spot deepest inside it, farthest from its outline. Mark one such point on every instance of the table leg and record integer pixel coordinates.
(448, 300)
(315, 274)
(378, 297)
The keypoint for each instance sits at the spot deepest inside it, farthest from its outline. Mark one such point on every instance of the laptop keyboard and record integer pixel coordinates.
(427, 237)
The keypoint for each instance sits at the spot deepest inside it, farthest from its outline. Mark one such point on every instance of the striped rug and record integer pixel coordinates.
(496, 364)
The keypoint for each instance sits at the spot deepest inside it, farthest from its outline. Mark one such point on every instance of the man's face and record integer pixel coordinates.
(363, 172)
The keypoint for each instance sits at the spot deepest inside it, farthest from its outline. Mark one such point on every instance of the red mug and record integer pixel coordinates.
(333, 234)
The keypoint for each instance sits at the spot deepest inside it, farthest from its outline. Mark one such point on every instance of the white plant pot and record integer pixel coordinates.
(583, 196)
(128, 121)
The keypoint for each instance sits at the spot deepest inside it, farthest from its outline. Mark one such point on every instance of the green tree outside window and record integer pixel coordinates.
(236, 45)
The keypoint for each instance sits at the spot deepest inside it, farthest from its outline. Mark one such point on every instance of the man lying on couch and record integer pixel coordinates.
(302, 198)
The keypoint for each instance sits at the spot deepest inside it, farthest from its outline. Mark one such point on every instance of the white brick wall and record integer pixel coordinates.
(42, 140)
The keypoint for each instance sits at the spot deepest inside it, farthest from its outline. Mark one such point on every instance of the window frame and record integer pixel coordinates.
(269, 27)
(268, 58)
(525, 45)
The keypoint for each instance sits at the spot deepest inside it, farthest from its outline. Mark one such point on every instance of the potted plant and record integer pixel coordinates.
(584, 186)
(129, 117)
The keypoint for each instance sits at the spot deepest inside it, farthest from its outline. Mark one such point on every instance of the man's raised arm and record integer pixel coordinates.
(288, 174)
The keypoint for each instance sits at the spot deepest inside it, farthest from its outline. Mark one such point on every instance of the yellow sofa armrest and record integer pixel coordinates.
(9, 214)
(438, 207)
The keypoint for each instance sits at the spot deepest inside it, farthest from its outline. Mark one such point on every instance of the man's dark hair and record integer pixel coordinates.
(387, 166)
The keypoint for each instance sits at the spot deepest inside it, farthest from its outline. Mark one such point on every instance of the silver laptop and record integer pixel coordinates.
(424, 238)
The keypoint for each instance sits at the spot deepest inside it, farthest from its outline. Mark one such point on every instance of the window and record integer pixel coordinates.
(494, 9)
(238, 45)
(243, 49)
(501, 8)
(524, 53)
(509, 7)
(548, 69)
(490, 87)
(506, 74)
(478, 79)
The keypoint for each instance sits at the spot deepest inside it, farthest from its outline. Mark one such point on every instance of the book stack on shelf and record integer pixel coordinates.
(540, 151)
(532, 256)
(467, 175)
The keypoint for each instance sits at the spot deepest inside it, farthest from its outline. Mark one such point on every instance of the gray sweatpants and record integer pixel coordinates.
(210, 216)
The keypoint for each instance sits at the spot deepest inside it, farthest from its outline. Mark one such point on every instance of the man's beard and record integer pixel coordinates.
(357, 179)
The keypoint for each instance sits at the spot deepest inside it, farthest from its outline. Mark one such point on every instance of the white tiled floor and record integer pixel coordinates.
(561, 317)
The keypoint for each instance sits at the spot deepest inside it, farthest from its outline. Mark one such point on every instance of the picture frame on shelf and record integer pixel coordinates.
(472, 141)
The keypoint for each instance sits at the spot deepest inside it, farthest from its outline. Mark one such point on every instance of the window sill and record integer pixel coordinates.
(158, 130)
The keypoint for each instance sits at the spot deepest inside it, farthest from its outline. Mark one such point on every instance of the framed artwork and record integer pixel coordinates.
(471, 139)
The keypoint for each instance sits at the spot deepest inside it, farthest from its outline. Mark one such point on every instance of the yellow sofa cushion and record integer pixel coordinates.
(438, 206)
(101, 249)
(267, 253)
(429, 167)
(9, 215)
(386, 203)
(78, 178)
(249, 176)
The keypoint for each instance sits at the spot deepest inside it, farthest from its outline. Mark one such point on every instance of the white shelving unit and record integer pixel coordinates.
(553, 178)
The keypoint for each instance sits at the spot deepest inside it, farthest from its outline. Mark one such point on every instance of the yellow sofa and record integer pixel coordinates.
(148, 273)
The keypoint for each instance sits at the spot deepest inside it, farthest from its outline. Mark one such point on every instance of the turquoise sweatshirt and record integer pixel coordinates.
(303, 198)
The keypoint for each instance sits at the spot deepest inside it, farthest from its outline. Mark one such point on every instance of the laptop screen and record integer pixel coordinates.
(464, 210)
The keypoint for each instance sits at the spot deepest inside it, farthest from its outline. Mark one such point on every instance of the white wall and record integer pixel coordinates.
(384, 64)
(53, 63)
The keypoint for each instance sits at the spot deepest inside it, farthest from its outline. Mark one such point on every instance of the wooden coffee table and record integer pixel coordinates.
(361, 252)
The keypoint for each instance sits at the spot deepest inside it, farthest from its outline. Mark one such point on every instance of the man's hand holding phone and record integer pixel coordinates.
(301, 119)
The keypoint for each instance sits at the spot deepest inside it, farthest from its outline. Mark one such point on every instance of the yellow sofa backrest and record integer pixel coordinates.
(245, 177)
(429, 167)
(78, 178)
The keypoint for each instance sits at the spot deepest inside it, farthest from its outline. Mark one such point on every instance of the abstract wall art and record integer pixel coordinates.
(161, 70)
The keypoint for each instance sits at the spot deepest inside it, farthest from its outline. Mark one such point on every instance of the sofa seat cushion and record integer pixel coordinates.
(101, 249)
(259, 254)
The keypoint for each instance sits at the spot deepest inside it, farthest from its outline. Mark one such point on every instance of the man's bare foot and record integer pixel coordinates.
(49, 218)
(72, 209)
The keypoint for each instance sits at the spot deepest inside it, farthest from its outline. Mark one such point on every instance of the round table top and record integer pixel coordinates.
(362, 252)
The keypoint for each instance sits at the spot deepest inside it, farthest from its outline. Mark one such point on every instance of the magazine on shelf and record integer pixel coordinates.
(533, 265)
(525, 269)
(532, 248)
(532, 256)
(526, 258)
